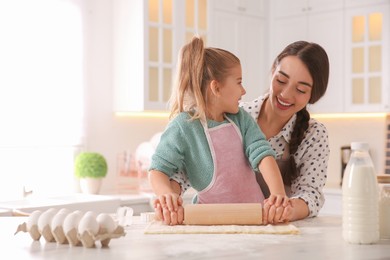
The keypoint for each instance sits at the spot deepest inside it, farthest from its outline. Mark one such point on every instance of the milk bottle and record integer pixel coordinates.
(360, 198)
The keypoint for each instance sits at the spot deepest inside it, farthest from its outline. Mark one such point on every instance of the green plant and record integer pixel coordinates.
(88, 164)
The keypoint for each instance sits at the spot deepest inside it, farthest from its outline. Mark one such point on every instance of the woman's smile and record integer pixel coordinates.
(283, 105)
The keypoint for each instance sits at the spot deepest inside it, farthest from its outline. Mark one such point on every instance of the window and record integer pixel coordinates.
(41, 95)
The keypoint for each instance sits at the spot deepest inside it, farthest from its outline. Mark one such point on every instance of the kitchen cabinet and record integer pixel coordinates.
(240, 27)
(302, 7)
(360, 3)
(243, 7)
(367, 59)
(316, 22)
(147, 37)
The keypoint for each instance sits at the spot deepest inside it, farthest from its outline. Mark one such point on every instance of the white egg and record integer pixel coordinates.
(58, 220)
(33, 219)
(88, 223)
(64, 210)
(71, 221)
(45, 219)
(107, 222)
(90, 213)
(78, 212)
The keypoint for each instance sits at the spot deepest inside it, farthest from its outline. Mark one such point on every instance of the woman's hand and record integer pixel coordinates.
(295, 209)
(169, 209)
(277, 209)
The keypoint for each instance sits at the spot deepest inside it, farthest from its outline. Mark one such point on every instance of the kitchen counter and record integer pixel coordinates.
(320, 238)
(75, 201)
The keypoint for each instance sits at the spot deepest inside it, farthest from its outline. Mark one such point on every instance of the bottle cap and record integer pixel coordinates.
(359, 146)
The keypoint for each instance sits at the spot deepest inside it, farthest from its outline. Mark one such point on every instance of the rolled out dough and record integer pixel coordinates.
(157, 227)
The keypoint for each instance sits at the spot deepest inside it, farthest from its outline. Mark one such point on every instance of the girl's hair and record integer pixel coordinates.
(317, 62)
(197, 67)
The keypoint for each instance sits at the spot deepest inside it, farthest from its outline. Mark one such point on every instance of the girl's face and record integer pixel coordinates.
(291, 87)
(231, 91)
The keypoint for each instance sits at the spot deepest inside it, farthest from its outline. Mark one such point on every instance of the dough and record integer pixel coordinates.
(157, 227)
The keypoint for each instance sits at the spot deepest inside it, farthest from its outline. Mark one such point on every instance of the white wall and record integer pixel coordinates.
(106, 133)
(110, 135)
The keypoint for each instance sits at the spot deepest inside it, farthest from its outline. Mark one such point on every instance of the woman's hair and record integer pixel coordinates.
(197, 67)
(317, 62)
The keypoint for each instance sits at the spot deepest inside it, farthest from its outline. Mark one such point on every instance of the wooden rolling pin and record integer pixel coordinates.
(223, 214)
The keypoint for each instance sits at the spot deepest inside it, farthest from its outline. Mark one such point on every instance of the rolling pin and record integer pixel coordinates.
(223, 214)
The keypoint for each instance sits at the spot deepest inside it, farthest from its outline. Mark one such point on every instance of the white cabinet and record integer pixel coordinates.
(147, 37)
(244, 7)
(367, 59)
(314, 22)
(282, 8)
(361, 3)
(241, 29)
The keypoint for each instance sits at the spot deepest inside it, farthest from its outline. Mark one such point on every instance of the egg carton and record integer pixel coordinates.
(73, 228)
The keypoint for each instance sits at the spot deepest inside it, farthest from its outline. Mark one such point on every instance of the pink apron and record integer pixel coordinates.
(233, 180)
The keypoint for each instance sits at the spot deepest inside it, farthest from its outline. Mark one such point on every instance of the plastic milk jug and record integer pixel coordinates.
(360, 198)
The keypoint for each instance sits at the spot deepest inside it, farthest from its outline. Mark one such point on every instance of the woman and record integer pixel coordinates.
(299, 77)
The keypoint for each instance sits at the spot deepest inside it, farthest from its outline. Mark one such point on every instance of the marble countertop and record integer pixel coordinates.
(320, 238)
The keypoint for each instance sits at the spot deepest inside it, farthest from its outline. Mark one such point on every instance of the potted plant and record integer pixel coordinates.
(90, 168)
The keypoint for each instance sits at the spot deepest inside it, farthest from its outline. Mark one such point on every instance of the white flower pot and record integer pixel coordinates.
(90, 185)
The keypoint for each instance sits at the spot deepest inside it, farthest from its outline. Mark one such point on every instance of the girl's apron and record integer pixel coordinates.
(233, 180)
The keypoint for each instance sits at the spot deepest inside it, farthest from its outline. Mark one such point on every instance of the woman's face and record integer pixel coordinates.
(291, 87)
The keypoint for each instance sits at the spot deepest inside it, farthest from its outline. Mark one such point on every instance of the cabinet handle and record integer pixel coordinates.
(303, 9)
(309, 8)
(241, 9)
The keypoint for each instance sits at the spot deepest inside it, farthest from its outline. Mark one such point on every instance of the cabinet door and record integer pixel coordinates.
(283, 8)
(244, 36)
(316, 6)
(251, 37)
(326, 29)
(252, 7)
(360, 3)
(286, 31)
(243, 7)
(367, 59)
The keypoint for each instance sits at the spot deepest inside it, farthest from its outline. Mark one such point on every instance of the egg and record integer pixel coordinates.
(88, 223)
(45, 219)
(63, 210)
(90, 213)
(33, 219)
(58, 219)
(107, 222)
(71, 221)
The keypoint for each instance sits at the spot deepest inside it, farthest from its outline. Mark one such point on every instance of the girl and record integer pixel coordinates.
(299, 77)
(214, 143)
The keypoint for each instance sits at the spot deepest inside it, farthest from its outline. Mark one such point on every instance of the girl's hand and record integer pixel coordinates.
(277, 209)
(170, 201)
(164, 212)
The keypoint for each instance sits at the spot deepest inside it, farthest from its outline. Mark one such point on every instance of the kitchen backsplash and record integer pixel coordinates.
(343, 131)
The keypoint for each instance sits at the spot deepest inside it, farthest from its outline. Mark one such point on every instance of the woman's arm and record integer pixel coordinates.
(312, 161)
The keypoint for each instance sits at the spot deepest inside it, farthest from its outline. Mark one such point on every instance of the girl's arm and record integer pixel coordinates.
(277, 206)
(168, 205)
(272, 176)
(161, 186)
